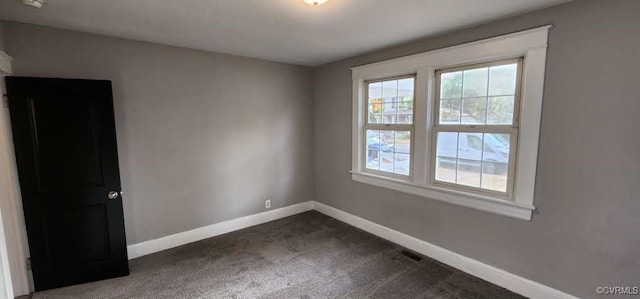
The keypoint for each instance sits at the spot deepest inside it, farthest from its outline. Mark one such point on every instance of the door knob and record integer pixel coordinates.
(113, 195)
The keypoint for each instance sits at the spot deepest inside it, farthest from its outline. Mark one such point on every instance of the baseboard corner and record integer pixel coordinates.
(507, 280)
(167, 242)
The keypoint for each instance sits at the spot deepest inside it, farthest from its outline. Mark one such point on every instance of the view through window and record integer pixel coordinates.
(389, 125)
(476, 125)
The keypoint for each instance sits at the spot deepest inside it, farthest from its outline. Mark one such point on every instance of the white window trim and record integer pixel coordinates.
(529, 44)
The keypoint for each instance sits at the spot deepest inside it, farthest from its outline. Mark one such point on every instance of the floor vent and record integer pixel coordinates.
(411, 255)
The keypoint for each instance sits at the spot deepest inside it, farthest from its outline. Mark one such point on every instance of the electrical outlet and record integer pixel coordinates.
(267, 204)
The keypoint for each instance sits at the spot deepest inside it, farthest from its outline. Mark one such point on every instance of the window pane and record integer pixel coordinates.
(390, 96)
(402, 154)
(468, 173)
(372, 149)
(495, 165)
(391, 101)
(469, 157)
(451, 85)
(446, 156)
(402, 162)
(404, 111)
(375, 103)
(474, 82)
(375, 112)
(404, 102)
(492, 178)
(474, 110)
(403, 142)
(375, 90)
(479, 160)
(446, 170)
(500, 110)
(495, 161)
(389, 151)
(502, 79)
(450, 111)
(470, 146)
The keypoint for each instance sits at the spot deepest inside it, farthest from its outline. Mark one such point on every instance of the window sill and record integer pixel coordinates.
(474, 201)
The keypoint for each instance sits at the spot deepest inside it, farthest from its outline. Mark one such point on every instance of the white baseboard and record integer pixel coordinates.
(201, 233)
(489, 273)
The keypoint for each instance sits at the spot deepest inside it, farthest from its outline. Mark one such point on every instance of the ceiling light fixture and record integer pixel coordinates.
(33, 3)
(315, 2)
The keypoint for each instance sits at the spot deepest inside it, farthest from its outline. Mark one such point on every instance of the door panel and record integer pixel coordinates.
(69, 243)
(66, 123)
(66, 151)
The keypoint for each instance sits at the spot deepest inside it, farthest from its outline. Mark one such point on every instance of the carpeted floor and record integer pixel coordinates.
(304, 256)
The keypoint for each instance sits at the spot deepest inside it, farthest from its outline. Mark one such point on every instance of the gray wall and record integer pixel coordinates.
(585, 230)
(207, 137)
(202, 137)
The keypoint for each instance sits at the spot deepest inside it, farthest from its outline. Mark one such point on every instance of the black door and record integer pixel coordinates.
(65, 141)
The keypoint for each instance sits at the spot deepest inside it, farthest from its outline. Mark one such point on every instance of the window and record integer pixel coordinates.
(389, 126)
(459, 124)
(476, 126)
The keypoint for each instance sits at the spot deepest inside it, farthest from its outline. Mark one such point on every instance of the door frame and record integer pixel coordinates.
(15, 233)
(6, 286)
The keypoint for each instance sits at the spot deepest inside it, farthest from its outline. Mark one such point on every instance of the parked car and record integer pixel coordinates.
(374, 143)
(469, 149)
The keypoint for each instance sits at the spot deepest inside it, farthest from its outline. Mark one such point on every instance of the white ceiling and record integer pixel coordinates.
(279, 30)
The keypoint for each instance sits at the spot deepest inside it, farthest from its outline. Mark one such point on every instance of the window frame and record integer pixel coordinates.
(511, 130)
(388, 127)
(531, 46)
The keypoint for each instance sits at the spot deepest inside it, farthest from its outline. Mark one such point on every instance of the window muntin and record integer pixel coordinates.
(475, 131)
(389, 127)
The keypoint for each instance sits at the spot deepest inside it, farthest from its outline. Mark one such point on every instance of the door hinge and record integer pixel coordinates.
(28, 264)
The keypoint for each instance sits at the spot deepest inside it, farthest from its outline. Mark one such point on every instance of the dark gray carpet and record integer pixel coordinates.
(308, 255)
